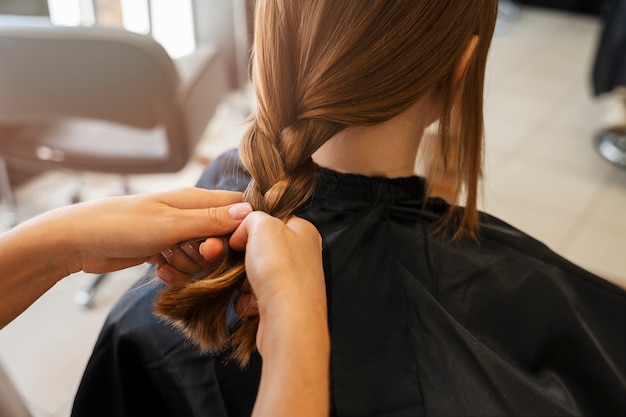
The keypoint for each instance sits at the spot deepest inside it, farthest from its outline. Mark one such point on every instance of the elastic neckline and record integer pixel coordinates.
(336, 185)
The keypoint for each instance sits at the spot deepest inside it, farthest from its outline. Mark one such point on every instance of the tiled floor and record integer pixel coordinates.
(543, 175)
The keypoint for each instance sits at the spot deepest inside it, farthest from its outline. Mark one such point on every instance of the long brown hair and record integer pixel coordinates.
(320, 66)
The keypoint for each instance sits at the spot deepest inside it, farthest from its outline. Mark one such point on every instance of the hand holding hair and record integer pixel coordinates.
(105, 236)
(284, 268)
(146, 225)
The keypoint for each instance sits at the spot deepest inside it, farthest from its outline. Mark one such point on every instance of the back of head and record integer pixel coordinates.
(320, 66)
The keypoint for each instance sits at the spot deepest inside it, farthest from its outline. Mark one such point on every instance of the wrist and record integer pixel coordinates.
(295, 373)
(54, 241)
(287, 329)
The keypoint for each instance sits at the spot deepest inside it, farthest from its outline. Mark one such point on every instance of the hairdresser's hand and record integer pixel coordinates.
(281, 259)
(116, 233)
(104, 236)
(284, 268)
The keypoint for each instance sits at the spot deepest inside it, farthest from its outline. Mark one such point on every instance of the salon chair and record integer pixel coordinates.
(609, 78)
(100, 100)
(611, 144)
(92, 99)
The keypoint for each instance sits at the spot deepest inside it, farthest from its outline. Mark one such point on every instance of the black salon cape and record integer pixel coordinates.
(418, 324)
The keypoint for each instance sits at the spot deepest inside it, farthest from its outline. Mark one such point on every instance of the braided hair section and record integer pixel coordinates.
(321, 66)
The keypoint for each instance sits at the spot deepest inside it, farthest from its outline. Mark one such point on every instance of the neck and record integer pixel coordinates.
(388, 149)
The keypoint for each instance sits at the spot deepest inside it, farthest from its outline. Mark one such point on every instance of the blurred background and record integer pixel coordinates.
(555, 146)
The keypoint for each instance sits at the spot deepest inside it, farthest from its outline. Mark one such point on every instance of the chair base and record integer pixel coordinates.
(611, 144)
(84, 297)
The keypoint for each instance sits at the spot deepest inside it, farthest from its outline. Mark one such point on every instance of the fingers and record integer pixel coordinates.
(259, 221)
(186, 258)
(253, 222)
(212, 221)
(171, 276)
(212, 249)
(304, 228)
(195, 212)
(189, 260)
(196, 198)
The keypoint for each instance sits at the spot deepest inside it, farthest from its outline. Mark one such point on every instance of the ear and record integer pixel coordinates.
(466, 58)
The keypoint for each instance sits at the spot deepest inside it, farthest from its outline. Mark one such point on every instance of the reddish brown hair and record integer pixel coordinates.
(320, 66)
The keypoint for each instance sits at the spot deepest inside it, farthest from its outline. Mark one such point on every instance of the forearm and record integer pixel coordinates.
(295, 377)
(33, 257)
(105, 236)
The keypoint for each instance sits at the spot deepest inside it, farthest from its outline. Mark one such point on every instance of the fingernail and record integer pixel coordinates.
(201, 252)
(239, 211)
(193, 252)
(168, 253)
(166, 276)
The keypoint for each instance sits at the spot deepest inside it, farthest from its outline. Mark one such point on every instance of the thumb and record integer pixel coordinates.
(258, 220)
(212, 221)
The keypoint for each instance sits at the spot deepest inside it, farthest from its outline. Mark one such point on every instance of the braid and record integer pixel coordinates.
(283, 177)
(281, 166)
(322, 66)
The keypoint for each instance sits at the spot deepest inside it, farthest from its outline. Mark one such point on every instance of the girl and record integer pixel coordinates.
(433, 309)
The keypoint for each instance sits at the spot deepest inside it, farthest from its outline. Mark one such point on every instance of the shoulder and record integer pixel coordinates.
(225, 173)
(504, 251)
